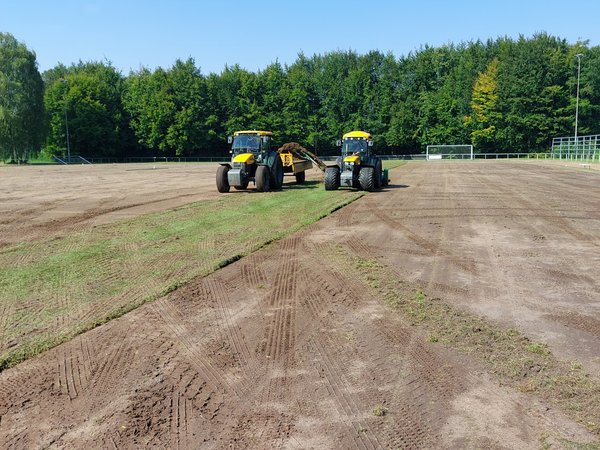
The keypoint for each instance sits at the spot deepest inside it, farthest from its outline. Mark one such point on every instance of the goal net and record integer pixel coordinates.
(449, 152)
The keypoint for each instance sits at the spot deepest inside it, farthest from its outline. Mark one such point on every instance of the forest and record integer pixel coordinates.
(501, 95)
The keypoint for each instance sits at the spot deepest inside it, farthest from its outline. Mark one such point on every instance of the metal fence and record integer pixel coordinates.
(582, 148)
(590, 154)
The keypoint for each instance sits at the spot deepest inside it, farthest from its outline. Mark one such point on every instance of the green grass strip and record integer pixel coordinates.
(55, 289)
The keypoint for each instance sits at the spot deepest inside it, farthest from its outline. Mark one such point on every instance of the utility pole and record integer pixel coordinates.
(578, 56)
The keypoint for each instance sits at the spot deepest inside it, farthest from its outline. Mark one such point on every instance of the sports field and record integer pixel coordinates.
(457, 308)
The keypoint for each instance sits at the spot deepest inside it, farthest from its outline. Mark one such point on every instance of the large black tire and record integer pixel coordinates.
(222, 182)
(366, 178)
(277, 174)
(300, 177)
(378, 175)
(332, 178)
(262, 179)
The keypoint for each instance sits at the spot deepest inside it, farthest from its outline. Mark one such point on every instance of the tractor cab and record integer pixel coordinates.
(356, 143)
(255, 142)
(355, 148)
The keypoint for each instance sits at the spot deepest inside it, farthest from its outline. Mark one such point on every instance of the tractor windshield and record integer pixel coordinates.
(355, 146)
(245, 142)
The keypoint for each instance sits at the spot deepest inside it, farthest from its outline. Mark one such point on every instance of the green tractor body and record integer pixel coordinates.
(252, 160)
(357, 167)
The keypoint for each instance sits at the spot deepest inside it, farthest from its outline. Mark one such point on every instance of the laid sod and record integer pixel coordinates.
(52, 290)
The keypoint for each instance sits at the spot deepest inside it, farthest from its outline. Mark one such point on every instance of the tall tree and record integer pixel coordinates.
(88, 97)
(22, 123)
(483, 120)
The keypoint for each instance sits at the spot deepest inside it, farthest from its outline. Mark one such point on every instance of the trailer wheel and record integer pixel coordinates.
(222, 182)
(366, 178)
(300, 177)
(332, 178)
(262, 179)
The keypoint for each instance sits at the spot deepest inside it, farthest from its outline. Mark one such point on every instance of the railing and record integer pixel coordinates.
(593, 157)
(73, 159)
(582, 148)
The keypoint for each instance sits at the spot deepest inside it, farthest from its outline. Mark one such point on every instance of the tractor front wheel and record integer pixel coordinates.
(277, 174)
(222, 182)
(262, 179)
(300, 177)
(378, 175)
(366, 178)
(332, 178)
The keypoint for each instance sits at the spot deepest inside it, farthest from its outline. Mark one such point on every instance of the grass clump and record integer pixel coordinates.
(379, 410)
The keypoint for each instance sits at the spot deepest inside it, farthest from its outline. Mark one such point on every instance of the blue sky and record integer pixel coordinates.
(149, 33)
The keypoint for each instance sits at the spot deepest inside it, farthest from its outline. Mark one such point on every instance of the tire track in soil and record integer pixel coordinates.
(321, 306)
(252, 273)
(426, 386)
(502, 283)
(175, 325)
(279, 336)
(15, 256)
(111, 368)
(5, 313)
(75, 366)
(408, 432)
(571, 319)
(550, 215)
(360, 247)
(432, 247)
(345, 214)
(334, 377)
(136, 295)
(163, 414)
(18, 441)
(213, 287)
(280, 332)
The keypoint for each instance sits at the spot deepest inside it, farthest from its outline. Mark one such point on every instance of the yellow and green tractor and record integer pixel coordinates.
(357, 167)
(252, 160)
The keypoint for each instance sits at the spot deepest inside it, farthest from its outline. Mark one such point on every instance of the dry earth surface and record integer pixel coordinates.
(290, 348)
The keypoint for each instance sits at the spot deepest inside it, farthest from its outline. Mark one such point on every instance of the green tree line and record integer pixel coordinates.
(502, 95)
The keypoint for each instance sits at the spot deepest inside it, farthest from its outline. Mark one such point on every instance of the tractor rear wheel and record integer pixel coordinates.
(222, 182)
(332, 178)
(300, 177)
(277, 174)
(262, 179)
(366, 178)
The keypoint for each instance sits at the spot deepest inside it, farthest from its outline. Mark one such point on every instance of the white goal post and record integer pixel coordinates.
(450, 151)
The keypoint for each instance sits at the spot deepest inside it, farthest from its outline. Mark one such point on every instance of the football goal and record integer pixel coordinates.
(449, 152)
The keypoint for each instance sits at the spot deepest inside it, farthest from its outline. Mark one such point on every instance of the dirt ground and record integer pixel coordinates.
(288, 348)
(37, 201)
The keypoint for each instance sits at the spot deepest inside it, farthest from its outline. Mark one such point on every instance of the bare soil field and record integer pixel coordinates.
(37, 201)
(296, 346)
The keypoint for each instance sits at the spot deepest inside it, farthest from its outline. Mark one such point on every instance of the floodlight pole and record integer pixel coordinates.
(578, 56)
(67, 127)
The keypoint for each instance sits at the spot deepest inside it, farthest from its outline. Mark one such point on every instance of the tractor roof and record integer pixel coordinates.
(357, 135)
(254, 132)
